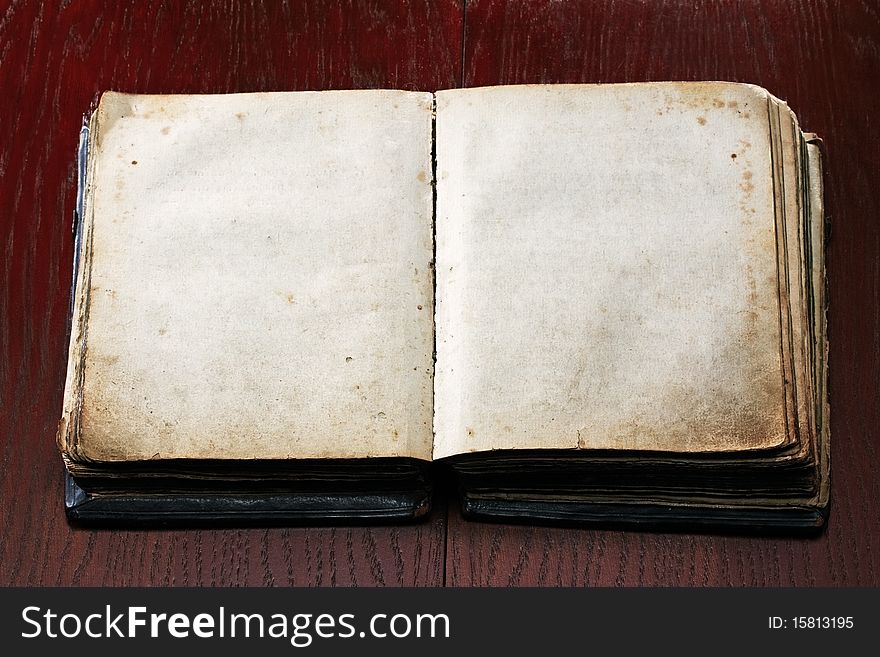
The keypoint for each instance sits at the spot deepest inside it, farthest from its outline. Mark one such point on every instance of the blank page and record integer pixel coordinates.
(606, 269)
(260, 277)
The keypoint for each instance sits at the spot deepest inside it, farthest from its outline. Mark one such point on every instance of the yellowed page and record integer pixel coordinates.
(606, 269)
(260, 277)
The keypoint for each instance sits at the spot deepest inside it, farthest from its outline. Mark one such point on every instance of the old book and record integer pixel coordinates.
(592, 302)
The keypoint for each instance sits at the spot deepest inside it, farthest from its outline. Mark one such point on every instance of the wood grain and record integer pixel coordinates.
(822, 57)
(55, 58)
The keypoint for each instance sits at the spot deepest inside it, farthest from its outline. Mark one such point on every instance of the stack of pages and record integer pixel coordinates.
(593, 302)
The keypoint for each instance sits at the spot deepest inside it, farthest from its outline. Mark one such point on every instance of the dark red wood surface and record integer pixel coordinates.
(822, 56)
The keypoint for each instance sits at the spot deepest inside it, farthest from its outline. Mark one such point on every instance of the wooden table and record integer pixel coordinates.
(823, 57)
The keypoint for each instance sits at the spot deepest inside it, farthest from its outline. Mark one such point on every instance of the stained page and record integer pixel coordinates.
(606, 269)
(260, 277)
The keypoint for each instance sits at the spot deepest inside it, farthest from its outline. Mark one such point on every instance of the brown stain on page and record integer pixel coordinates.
(708, 97)
(734, 424)
(746, 185)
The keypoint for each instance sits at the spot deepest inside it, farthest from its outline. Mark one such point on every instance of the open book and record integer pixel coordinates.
(594, 302)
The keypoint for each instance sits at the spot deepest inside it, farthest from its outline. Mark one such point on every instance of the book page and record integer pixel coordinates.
(260, 277)
(606, 269)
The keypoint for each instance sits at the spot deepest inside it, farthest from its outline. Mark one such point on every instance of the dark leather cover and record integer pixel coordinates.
(702, 517)
(242, 508)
